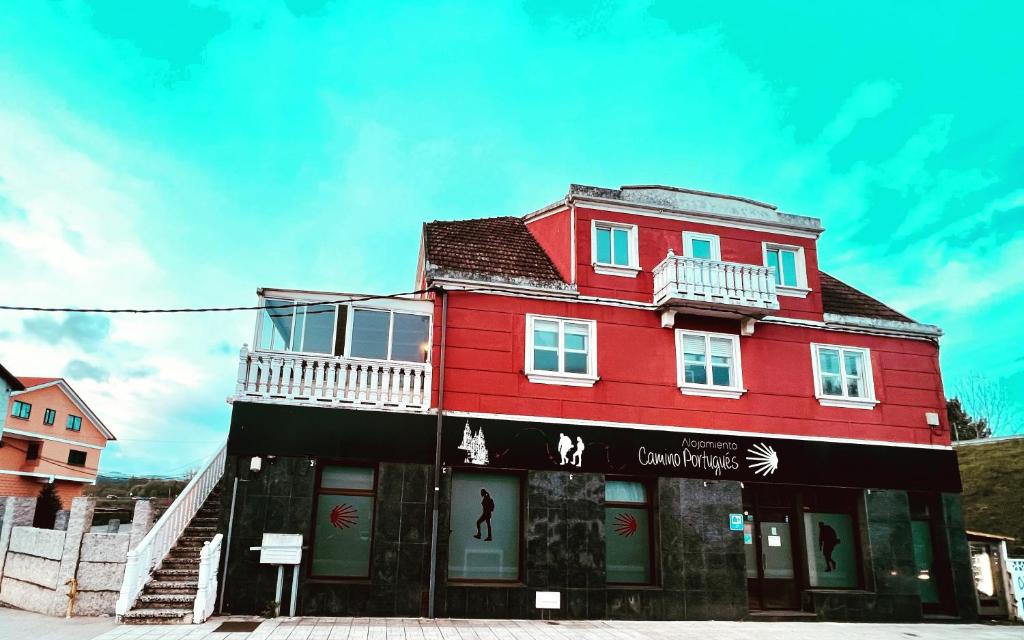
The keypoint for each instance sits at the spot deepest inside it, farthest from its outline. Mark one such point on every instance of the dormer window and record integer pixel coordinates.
(614, 249)
(790, 269)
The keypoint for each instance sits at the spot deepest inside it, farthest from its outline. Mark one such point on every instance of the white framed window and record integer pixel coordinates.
(297, 325)
(790, 268)
(561, 351)
(614, 249)
(842, 376)
(385, 334)
(704, 246)
(708, 364)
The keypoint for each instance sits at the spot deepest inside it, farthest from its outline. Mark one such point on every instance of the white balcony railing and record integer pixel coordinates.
(332, 380)
(679, 280)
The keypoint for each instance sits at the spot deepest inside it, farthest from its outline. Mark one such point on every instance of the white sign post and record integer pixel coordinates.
(548, 600)
(282, 549)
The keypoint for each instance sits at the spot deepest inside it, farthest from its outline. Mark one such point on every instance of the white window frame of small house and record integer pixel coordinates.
(732, 392)
(629, 270)
(800, 290)
(716, 246)
(868, 401)
(561, 377)
(350, 317)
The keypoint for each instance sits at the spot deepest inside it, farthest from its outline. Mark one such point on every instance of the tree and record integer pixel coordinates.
(989, 400)
(962, 426)
(47, 506)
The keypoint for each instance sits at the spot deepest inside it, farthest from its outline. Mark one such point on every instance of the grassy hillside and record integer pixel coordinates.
(993, 478)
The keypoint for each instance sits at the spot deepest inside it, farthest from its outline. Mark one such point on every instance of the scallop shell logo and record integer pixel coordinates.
(763, 459)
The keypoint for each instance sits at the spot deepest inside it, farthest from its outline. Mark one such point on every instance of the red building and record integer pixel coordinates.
(648, 400)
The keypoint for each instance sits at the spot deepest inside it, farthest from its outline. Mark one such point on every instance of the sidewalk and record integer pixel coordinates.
(422, 629)
(16, 624)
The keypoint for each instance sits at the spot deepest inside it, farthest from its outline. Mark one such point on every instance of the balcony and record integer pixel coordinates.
(712, 287)
(331, 380)
(334, 350)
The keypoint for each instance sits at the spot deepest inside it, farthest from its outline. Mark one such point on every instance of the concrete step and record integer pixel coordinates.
(205, 521)
(171, 587)
(158, 616)
(192, 530)
(180, 575)
(184, 552)
(166, 601)
(172, 562)
(192, 541)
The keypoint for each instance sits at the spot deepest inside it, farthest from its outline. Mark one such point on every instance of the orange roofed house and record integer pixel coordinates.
(49, 434)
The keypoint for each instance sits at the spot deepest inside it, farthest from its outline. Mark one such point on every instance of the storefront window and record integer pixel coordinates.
(484, 541)
(627, 532)
(830, 539)
(342, 531)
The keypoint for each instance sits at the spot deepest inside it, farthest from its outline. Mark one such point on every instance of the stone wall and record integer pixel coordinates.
(36, 565)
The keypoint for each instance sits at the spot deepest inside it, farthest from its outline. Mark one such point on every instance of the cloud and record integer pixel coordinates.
(868, 100)
(82, 370)
(87, 331)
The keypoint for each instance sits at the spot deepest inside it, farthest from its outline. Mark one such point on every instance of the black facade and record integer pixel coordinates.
(698, 562)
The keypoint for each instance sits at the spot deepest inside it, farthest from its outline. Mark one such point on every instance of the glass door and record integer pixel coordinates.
(768, 544)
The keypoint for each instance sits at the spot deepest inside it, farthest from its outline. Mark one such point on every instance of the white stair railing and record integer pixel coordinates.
(206, 595)
(151, 551)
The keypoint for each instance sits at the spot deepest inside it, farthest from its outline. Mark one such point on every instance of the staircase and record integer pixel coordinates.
(171, 575)
(170, 594)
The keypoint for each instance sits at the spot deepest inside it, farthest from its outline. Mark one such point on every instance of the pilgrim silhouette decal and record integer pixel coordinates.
(486, 509)
(565, 446)
(474, 445)
(344, 516)
(828, 540)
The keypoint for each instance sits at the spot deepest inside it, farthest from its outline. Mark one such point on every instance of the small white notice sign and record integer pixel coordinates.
(280, 548)
(774, 541)
(549, 600)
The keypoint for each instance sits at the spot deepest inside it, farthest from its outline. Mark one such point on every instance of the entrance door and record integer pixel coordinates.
(768, 542)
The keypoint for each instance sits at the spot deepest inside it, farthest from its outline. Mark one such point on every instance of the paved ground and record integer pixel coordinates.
(16, 624)
(415, 629)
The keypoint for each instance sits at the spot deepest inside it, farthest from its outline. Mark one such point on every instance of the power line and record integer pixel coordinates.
(292, 305)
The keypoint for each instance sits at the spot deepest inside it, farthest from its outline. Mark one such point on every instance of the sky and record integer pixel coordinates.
(185, 153)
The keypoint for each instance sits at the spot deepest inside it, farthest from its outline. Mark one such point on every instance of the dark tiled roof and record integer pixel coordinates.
(495, 248)
(840, 298)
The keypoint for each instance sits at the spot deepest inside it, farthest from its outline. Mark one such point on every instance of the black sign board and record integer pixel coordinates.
(506, 444)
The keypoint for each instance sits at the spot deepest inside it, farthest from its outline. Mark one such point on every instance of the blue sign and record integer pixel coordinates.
(736, 522)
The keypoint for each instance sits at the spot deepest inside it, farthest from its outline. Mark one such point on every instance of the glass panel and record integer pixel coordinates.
(341, 546)
(924, 561)
(545, 360)
(788, 268)
(484, 541)
(721, 376)
(297, 328)
(773, 261)
(575, 362)
(693, 343)
(370, 334)
(319, 328)
(576, 336)
(777, 549)
(831, 551)
(831, 385)
(410, 338)
(854, 388)
(700, 248)
(604, 245)
(828, 360)
(749, 548)
(358, 478)
(621, 246)
(276, 329)
(853, 360)
(627, 545)
(694, 370)
(625, 491)
(545, 334)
